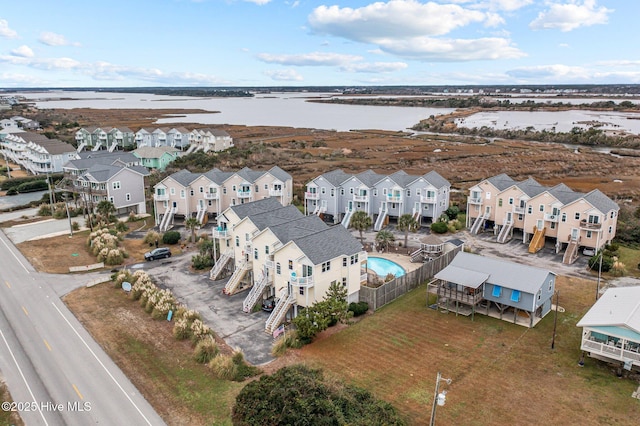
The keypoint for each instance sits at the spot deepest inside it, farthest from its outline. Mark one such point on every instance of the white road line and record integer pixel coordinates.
(14, 255)
(24, 379)
(103, 366)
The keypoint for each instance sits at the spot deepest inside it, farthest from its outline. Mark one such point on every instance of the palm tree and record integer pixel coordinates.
(105, 209)
(407, 223)
(384, 238)
(360, 221)
(192, 224)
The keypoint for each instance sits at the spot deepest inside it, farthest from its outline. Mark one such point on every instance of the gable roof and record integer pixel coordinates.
(335, 177)
(501, 181)
(306, 225)
(525, 278)
(435, 179)
(284, 214)
(328, 244)
(183, 177)
(154, 151)
(618, 306)
(279, 174)
(369, 178)
(600, 201)
(255, 207)
(88, 158)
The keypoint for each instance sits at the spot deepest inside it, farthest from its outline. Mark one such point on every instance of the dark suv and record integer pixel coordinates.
(158, 253)
(268, 304)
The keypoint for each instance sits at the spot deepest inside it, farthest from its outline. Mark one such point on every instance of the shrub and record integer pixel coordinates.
(121, 227)
(223, 367)
(181, 329)
(151, 237)
(201, 262)
(171, 237)
(287, 340)
(38, 185)
(439, 227)
(358, 308)
(205, 351)
(75, 225)
(199, 331)
(44, 210)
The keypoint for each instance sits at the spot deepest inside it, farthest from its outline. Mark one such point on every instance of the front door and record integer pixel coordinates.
(574, 233)
(540, 224)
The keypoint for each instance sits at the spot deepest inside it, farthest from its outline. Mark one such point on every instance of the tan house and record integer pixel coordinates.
(206, 195)
(570, 220)
(278, 252)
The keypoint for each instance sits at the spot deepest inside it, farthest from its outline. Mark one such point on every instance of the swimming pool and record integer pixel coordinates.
(383, 267)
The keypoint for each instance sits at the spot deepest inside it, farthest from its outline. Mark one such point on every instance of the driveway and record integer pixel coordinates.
(220, 312)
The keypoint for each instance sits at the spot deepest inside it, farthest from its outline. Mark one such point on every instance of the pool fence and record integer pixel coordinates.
(391, 290)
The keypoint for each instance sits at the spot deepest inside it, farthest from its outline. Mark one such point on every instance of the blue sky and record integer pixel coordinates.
(122, 43)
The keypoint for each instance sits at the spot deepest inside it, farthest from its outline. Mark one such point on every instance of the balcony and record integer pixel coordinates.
(612, 350)
(211, 196)
(244, 194)
(551, 217)
(394, 198)
(474, 200)
(363, 278)
(427, 199)
(163, 197)
(221, 233)
(360, 198)
(589, 226)
(301, 281)
(275, 192)
(312, 196)
(518, 210)
(469, 296)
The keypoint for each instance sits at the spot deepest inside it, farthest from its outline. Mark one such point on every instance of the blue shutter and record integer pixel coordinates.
(497, 291)
(515, 295)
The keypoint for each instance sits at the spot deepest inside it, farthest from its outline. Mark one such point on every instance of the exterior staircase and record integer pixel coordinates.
(113, 146)
(82, 145)
(220, 264)
(277, 315)
(200, 216)
(505, 232)
(255, 293)
(537, 242)
(382, 215)
(193, 148)
(347, 218)
(477, 224)
(417, 256)
(98, 146)
(233, 283)
(166, 219)
(571, 254)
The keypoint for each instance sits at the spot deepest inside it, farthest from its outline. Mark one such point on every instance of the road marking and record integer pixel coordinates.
(47, 345)
(102, 365)
(14, 255)
(25, 311)
(77, 391)
(24, 378)
(7, 283)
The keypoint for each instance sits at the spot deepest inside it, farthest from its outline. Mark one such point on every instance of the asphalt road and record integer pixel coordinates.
(56, 373)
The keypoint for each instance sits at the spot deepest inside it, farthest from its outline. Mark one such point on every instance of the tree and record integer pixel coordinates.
(452, 212)
(360, 221)
(192, 224)
(407, 223)
(105, 209)
(337, 307)
(384, 238)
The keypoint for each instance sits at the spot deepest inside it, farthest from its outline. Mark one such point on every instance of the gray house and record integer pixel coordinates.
(336, 195)
(509, 291)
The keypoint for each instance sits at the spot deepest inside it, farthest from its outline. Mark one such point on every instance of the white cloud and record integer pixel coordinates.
(558, 72)
(450, 50)
(53, 39)
(283, 75)
(374, 67)
(5, 31)
(41, 63)
(20, 80)
(504, 5)
(409, 29)
(258, 2)
(570, 16)
(23, 51)
(312, 59)
(396, 18)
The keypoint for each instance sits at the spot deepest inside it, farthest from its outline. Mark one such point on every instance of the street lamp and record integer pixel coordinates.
(439, 398)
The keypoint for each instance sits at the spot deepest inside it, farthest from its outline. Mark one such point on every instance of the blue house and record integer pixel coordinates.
(509, 291)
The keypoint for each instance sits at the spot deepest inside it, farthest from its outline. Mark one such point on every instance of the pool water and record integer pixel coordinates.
(383, 267)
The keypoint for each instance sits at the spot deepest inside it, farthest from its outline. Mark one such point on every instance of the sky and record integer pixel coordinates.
(133, 43)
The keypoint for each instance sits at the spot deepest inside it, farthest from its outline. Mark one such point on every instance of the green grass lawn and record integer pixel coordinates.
(631, 258)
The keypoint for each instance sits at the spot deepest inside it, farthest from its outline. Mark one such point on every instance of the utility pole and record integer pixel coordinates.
(555, 320)
(599, 274)
(439, 398)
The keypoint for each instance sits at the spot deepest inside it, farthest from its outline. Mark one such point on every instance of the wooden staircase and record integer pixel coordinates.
(255, 293)
(537, 242)
(277, 315)
(505, 232)
(571, 254)
(233, 283)
(220, 264)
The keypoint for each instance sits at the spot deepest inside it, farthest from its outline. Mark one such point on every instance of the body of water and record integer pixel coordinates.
(384, 267)
(10, 201)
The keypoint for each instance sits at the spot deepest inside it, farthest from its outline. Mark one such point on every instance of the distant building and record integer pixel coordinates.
(35, 152)
(104, 138)
(156, 158)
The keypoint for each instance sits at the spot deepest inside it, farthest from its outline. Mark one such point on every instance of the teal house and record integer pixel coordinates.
(156, 158)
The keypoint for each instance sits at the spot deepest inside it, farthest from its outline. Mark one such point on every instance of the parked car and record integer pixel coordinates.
(268, 304)
(588, 252)
(158, 253)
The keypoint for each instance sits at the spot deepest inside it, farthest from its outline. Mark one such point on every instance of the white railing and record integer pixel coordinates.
(81, 146)
(610, 351)
(275, 192)
(428, 200)
(380, 219)
(360, 198)
(278, 313)
(255, 293)
(363, 278)
(244, 194)
(236, 277)
(302, 281)
(397, 198)
(98, 146)
(164, 197)
(312, 195)
(347, 218)
(504, 232)
(202, 212)
(211, 195)
(166, 219)
(551, 217)
(221, 233)
(220, 264)
(478, 223)
(475, 200)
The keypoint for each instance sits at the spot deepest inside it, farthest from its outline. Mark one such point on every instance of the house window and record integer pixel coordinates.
(384, 191)
(354, 259)
(497, 291)
(613, 214)
(291, 265)
(266, 250)
(611, 229)
(529, 209)
(344, 261)
(588, 234)
(255, 253)
(127, 196)
(257, 189)
(408, 193)
(333, 192)
(515, 295)
(323, 190)
(375, 192)
(341, 191)
(326, 266)
(278, 268)
(233, 188)
(499, 202)
(541, 207)
(520, 217)
(266, 187)
(247, 236)
(201, 189)
(510, 201)
(553, 225)
(233, 201)
(563, 218)
(550, 285)
(224, 189)
(301, 291)
(488, 195)
(418, 192)
(116, 184)
(191, 192)
(351, 191)
(344, 281)
(539, 294)
(577, 216)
